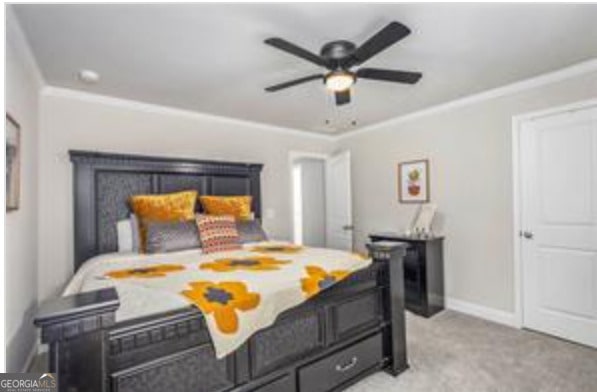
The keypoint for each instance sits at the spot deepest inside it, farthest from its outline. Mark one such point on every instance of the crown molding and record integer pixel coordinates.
(61, 92)
(516, 87)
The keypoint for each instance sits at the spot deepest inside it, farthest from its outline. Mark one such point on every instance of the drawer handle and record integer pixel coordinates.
(348, 366)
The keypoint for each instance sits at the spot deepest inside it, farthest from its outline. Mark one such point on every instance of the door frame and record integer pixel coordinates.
(517, 162)
(293, 155)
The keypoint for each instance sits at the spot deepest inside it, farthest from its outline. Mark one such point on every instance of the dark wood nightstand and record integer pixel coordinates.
(423, 271)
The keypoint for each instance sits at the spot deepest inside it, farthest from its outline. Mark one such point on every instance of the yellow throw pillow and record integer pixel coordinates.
(179, 206)
(237, 206)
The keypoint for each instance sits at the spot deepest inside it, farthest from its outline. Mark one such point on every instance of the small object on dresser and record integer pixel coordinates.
(424, 218)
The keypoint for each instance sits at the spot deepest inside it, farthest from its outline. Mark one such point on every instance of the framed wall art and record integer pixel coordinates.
(413, 181)
(13, 163)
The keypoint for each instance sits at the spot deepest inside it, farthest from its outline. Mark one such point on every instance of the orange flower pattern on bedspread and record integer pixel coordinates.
(239, 292)
(319, 279)
(282, 248)
(257, 263)
(151, 271)
(223, 300)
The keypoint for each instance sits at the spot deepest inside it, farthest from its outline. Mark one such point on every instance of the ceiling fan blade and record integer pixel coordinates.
(389, 75)
(291, 48)
(342, 97)
(387, 36)
(293, 83)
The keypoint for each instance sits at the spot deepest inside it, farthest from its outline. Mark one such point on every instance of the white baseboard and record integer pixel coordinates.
(484, 312)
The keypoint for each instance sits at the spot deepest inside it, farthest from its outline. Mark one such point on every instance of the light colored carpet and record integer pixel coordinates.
(453, 352)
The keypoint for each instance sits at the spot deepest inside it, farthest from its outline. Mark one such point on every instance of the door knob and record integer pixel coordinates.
(347, 227)
(527, 234)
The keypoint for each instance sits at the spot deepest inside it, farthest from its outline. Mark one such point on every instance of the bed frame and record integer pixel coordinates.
(331, 341)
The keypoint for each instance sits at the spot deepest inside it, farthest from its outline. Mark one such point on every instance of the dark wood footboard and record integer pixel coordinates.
(333, 340)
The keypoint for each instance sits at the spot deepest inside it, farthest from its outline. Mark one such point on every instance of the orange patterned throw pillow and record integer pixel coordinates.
(218, 233)
(237, 206)
(171, 207)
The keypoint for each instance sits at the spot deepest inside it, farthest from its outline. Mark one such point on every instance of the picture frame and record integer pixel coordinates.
(424, 218)
(413, 181)
(13, 163)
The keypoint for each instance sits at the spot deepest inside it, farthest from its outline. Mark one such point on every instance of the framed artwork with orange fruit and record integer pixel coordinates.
(413, 181)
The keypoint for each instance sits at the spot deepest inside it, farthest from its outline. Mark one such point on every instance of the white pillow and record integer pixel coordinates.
(125, 235)
(128, 234)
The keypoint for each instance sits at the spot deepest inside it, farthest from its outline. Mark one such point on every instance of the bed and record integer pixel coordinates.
(337, 337)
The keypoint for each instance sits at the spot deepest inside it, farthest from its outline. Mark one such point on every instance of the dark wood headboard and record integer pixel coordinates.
(103, 182)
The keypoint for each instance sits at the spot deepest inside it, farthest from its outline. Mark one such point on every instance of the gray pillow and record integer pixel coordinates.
(165, 237)
(250, 231)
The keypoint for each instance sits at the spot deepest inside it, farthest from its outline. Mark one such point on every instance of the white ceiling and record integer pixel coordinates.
(210, 57)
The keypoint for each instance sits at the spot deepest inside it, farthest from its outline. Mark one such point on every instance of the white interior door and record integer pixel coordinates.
(338, 202)
(559, 224)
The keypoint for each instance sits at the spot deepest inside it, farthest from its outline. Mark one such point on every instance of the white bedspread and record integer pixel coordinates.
(268, 288)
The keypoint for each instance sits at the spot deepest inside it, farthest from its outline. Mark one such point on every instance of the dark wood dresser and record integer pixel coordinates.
(423, 271)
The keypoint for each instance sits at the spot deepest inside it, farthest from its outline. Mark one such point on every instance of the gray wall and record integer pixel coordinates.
(313, 189)
(23, 83)
(470, 149)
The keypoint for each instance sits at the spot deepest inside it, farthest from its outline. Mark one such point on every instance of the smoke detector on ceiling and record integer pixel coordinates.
(88, 76)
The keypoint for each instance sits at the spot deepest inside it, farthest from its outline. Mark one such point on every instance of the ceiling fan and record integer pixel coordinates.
(340, 57)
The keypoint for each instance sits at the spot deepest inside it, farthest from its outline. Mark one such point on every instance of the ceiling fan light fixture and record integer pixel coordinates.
(339, 81)
(340, 57)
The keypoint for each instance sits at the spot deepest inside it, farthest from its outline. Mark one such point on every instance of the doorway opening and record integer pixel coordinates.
(309, 217)
(321, 200)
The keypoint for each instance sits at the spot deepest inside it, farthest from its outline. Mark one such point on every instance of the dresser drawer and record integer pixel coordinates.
(339, 368)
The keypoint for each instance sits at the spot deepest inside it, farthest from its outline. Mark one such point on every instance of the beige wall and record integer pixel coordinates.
(22, 87)
(470, 149)
(73, 121)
